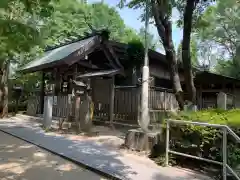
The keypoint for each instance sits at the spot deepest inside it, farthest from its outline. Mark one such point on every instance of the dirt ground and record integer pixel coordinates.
(20, 160)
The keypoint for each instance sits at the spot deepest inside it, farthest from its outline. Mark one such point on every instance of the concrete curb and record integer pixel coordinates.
(102, 173)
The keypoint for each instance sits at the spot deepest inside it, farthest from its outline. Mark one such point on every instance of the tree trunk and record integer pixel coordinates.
(42, 93)
(173, 65)
(186, 51)
(4, 89)
(164, 28)
(171, 57)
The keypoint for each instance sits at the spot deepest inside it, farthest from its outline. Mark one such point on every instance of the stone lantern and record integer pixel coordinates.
(17, 93)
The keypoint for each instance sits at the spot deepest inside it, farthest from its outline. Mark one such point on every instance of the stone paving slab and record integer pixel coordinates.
(87, 152)
(20, 160)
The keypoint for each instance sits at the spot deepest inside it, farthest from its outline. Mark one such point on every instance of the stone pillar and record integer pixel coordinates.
(77, 112)
(47, 116)
(85, 113)
(222, 100)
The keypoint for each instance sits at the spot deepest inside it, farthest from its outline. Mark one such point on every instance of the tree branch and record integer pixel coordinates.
(230, 35)
(223, 44)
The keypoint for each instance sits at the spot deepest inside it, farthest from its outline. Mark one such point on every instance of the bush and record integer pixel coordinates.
(21, 107)
(202, 141)
(213, 116)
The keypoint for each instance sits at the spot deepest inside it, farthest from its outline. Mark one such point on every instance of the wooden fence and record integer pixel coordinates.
(161, 99)
(126, 104)
(61, 106)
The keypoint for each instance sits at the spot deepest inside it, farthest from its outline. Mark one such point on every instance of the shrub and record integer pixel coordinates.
(21, 107)
(213, 116)
(202, 141)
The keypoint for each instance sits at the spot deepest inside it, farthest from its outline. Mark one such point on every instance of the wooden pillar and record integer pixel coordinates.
(200, 97)
(234, 95)
(42, 93)
(57, 79)
(73, 91)
(111, 101)
(224, 86)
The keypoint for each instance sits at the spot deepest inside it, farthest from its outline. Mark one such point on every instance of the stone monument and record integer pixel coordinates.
(47, 113)
(222, 100)
(143, 138)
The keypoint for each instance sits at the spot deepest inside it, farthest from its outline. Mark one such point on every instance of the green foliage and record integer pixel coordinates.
(205, 142)
(193, 49)
(134, 55)
(200, 7)
(21, 107)
(220, 25)
(214, 116)
(20, 25)
(152, 43)
(227, 67)
(72, 19)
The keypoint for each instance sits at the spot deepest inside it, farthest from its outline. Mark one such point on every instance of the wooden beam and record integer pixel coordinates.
(234, 95)
(111, 103)
(109, 58)
(73, 90)
(42, 93)
(114, 55)
(212, 90)
(200, 97)
(57, 79)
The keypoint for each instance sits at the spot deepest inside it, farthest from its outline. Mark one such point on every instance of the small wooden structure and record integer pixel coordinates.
(209, 85)
(97, 61)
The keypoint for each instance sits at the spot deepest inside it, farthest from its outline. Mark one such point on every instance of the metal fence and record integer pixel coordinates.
(225, 129)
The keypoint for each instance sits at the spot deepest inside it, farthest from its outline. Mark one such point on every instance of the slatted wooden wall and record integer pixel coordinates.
(61, 106)
(126, 103)
(162, 100)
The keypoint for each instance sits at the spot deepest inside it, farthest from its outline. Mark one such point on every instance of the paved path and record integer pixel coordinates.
(93, 155)
(20, 160)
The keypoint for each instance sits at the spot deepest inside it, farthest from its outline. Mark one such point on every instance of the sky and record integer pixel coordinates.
(131, 19)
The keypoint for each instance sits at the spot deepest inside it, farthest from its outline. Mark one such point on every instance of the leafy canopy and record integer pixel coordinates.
(71, 19)
(220, 26)
(20, 22)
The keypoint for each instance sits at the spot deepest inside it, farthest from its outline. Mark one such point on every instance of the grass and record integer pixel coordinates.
(213, 116)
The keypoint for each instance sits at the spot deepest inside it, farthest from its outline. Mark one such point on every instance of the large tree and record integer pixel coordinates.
(220, 27)
(20, 30)
(73, 18)
(161, 11)
(70, 20)
(190, 12)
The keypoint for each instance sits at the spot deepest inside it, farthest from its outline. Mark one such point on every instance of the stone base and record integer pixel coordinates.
(138, 140)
